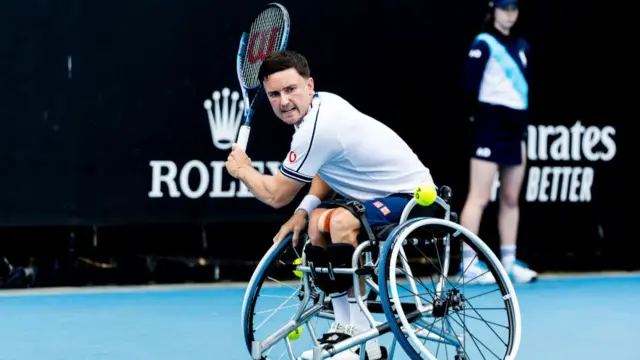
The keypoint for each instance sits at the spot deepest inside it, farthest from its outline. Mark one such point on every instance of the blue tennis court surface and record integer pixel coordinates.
(583, 317)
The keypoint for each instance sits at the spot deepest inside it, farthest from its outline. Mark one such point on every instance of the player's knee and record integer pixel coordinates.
(343, 221)
(324, 221)
(315, 236)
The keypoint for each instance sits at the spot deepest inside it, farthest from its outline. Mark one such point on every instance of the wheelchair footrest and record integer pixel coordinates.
(375, 307)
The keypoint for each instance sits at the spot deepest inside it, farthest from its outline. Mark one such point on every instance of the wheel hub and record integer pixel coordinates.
(452, 300)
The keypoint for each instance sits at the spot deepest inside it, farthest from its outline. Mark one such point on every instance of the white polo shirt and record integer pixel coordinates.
(357, 156)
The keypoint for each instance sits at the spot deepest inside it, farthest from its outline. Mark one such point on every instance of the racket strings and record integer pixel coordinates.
(262, 31)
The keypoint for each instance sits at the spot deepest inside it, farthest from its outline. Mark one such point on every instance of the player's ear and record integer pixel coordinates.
(310, 85)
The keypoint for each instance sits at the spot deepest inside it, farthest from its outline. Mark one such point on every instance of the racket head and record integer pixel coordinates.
(267, 32)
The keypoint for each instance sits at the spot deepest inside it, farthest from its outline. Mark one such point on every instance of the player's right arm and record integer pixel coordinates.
(318, 192)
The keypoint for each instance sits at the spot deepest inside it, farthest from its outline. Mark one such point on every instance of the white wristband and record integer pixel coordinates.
(309, 203)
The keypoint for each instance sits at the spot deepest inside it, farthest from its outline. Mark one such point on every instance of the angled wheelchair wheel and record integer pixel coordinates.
(277, 303)
(437, 316)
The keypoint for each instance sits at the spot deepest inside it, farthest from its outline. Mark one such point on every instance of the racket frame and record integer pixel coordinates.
(249, 102)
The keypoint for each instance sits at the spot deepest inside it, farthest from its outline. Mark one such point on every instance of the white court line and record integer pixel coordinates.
(241, 285)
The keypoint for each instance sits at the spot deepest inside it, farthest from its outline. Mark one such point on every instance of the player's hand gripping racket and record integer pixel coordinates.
(269, 32)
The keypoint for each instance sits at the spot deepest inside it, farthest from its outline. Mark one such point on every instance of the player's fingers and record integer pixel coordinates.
(237, 151)
(281, 234)
(296, 236)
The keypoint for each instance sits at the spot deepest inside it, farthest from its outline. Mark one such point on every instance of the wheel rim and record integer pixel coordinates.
(392, 252)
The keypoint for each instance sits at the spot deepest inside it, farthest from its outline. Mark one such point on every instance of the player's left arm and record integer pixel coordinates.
(274, 190)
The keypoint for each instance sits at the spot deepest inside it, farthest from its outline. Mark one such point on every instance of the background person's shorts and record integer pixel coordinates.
(498, 133)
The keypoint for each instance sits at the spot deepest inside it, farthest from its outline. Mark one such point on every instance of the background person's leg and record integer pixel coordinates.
(511, 179)
(482, 174)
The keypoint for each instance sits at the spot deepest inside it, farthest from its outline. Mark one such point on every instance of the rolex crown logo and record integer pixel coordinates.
(225, 118)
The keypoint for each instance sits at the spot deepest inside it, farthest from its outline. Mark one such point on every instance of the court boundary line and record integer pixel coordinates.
(111, 289)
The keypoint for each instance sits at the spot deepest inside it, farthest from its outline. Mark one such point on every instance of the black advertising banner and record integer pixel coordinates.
(119, 112)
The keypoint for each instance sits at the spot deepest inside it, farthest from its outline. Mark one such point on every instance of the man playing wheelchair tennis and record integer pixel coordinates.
(335, 148)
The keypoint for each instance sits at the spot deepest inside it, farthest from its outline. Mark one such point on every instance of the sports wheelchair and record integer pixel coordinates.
(411, 298)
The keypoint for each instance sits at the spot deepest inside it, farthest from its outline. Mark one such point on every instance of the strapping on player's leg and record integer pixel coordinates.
(333, 257)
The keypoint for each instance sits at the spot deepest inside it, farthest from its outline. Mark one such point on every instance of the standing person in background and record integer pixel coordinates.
(496, 87)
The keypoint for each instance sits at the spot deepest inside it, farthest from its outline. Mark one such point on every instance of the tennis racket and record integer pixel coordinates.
(268, 32)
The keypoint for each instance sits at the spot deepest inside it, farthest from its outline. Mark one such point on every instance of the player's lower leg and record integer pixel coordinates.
(344, 229)
(319, 236)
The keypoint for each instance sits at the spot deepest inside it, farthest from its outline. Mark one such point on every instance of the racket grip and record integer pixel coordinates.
(243, 136)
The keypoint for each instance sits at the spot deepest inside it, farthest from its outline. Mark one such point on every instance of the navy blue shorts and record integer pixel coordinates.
(385, 211)
(382, 214)
(498, 133)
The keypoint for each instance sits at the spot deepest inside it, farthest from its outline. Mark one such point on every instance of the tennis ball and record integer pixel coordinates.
(295, 334)
(297, 273)
(425, 194)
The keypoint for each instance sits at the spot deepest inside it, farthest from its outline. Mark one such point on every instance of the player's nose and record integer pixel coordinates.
(285, 102)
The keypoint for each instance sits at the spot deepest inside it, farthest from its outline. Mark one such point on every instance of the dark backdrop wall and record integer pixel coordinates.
(103, 125)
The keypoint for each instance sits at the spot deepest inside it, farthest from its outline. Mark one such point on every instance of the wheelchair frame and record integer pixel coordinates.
(302, 316)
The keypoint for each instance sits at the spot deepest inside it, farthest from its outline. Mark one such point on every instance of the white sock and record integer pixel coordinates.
(469, 256)
(340, 304)
(359, 320)
(508, 253)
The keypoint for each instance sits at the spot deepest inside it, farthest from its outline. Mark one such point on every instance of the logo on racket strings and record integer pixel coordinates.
(225, 115)
(261, 44)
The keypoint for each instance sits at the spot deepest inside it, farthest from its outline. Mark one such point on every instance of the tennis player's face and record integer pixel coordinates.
(506, 17)
(289, 94)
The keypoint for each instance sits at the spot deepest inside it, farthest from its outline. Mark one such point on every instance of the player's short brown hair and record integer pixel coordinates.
(284, 60)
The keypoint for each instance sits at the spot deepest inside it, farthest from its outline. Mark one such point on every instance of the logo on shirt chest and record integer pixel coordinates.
(292, 157)
(523, 58)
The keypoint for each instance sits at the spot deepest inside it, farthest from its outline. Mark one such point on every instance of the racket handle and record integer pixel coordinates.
(243, 136)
